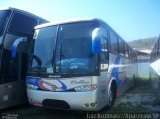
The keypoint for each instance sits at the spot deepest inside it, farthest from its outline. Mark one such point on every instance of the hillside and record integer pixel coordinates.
(143, 43)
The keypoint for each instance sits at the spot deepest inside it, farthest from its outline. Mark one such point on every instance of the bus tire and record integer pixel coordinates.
(112, 94)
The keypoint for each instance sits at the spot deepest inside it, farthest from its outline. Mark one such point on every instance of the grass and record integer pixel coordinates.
(127, 108)
(145, 102)
(142, 82)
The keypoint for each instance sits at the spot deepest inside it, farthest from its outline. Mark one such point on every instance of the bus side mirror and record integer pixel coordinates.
(96, 41)
(16, 43)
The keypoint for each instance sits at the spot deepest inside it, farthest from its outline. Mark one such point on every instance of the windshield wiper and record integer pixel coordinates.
(38, 60)
(37, 68)
(63, 62)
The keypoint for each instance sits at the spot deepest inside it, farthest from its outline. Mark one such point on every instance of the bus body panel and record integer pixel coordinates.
(155, 76)
(154, 79)
(75, 100)
(59, 84)
(155, 83)
(121, 70)
(102, 88)
(12, 94)
(154, 69)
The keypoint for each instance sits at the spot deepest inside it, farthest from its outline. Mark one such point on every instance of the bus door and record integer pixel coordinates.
(104, 61)
(13, 69)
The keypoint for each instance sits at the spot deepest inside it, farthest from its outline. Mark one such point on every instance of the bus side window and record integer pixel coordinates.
(121, 47)
(159, 47)
(22, 24)
(113, 42)
(104, 54)
(129, 53)
(126, 50)
(3, 19)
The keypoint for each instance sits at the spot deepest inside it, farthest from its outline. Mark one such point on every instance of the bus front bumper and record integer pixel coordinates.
(86, 101)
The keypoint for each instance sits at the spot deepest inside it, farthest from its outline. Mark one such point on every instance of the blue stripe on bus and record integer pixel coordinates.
(36, 82)
(115, 71)
(64, 87)
(120, 83)
(33, 80)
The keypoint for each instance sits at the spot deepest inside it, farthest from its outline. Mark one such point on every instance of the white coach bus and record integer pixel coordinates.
(79, 65)
(155, 68)
(16, 33)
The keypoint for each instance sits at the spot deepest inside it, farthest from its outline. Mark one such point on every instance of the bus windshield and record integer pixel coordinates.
(64, 49)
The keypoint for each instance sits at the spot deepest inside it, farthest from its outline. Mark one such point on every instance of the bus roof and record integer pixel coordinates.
(25, 12)
(76, 21)
(65, 22)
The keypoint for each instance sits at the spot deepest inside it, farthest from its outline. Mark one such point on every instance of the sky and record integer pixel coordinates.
(131, 19)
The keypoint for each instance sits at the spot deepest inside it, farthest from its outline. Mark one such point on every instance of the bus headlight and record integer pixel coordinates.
(86, 88)
(30, 86)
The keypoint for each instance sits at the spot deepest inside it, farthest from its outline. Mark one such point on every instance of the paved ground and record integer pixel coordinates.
(139, 99)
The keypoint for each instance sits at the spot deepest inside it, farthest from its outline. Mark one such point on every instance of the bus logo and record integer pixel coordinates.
(50, 86)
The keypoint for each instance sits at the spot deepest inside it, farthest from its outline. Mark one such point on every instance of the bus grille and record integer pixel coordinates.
(57, 104)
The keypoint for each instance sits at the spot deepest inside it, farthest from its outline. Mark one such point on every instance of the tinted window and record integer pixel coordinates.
(43, 50)
(9, 68)
(129, 53)
(159, 46)
(22, 24)
(104, 56)
(153, 52)
(156, 47)
(104, 43)
(24, 67)
(3, 16)
(135, 55)
(132, 55)
(126, 50)
(121, 47)
(74, 49)
(113, 42)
